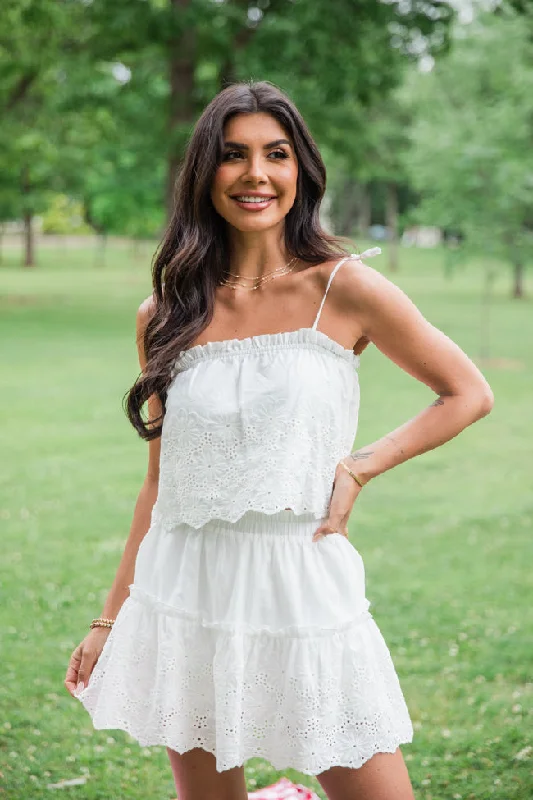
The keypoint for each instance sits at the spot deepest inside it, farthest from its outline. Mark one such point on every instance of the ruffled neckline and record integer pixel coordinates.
(227, 348)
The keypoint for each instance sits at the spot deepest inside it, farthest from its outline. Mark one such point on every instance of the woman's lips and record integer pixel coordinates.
(254, 206)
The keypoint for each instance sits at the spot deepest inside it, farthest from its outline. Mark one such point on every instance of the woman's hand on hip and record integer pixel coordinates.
(343, 496)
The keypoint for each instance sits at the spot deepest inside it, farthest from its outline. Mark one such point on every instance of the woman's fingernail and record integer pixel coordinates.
(80, 687)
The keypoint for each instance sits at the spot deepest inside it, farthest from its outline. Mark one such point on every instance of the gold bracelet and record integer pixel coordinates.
(102, 622)
(354, 476)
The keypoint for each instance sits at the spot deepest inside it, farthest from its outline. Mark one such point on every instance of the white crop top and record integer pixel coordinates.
(257, 423)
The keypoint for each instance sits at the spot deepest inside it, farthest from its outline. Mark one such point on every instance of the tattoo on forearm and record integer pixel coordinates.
(438, 402)
(359, 455)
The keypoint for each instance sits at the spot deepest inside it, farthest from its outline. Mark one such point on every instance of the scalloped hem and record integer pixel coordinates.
(277, 762)
(307, 703)
(164, 520)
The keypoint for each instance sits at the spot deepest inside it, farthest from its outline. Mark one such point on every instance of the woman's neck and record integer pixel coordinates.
(253, 254)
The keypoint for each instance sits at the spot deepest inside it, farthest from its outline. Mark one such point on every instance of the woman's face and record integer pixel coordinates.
(255, 184)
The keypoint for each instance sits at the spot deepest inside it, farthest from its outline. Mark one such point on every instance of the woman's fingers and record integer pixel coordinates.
(343, 496)
(71, 678)
(90, 656)
(331, 526)
(80, 667)
(84, 658)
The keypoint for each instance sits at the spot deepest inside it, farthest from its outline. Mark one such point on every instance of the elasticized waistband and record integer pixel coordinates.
(281, 523)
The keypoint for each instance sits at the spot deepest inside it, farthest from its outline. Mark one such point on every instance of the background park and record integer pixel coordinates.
(424, 114)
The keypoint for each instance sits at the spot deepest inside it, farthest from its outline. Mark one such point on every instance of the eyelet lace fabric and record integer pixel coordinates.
(256, 424)
(250, 639)
(167, 681)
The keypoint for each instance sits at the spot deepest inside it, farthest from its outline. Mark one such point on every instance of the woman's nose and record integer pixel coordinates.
(255, 168)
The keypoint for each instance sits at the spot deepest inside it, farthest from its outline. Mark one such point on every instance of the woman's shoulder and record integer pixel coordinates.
(145, 311)
(320, 273)
(355, 283)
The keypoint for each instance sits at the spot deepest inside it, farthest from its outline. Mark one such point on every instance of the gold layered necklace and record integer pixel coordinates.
(261, 279)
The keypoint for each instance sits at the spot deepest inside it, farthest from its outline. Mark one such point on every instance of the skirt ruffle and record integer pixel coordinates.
(247, 640)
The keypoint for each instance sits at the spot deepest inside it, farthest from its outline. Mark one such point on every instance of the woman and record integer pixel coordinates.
(237, 624)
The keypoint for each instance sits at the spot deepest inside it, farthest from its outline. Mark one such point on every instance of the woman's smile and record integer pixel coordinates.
(253, 202)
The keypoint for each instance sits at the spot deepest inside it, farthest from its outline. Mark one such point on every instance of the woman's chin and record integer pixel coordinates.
(254, 224)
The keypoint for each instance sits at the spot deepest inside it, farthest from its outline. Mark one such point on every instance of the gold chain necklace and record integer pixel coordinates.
(278, 272)
(256, 277)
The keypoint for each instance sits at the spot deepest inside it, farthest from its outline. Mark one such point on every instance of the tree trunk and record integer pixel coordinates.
(346, 207)
(29, 249)
(392, 224)
(364, 220)
(485, 321)
(518, 276)
(100, 253)
(227, 73)
(27, 216)
(181, 71)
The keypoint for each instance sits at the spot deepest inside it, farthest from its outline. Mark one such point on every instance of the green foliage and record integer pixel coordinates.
(36, 39)
(471, 150)
(64, 216)
(99, 98)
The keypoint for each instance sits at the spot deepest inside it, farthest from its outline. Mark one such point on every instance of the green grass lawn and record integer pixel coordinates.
(446, 538)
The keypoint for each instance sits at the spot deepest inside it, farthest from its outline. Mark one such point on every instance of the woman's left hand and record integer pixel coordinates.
(343, 496)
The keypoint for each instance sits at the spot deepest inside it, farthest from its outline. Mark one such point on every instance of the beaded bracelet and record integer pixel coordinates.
(102, 622)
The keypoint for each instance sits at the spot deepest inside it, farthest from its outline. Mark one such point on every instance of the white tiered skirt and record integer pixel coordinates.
(249, 639)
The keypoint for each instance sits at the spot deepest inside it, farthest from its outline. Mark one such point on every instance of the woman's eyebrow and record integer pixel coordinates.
(240, 146)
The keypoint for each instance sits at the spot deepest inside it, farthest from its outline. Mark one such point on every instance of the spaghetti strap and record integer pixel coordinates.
(373, 251)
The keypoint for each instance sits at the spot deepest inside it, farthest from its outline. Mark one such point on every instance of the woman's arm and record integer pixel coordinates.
(387, 317)
(139, 527)
(87, 653)
(147, 496)
(395, 325)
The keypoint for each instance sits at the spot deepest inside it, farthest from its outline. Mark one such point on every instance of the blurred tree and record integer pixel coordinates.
(70, 125)
(64, 216)
(338, 55)
(376, 189)
(98, 98)
(36, 37)
(387, 142)
(112, 154)
(472, 154)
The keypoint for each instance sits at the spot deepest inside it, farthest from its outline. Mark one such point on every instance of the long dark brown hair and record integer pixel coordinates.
(193, 254)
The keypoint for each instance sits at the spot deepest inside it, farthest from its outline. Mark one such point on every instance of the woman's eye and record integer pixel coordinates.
(228, 156)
